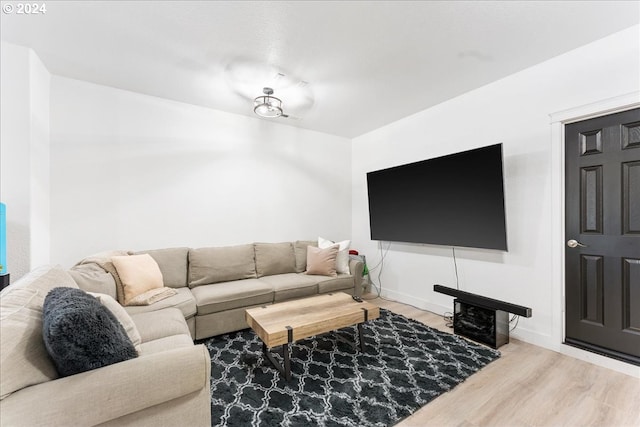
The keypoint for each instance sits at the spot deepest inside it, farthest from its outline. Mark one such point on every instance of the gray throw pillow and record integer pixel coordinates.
(81, 334)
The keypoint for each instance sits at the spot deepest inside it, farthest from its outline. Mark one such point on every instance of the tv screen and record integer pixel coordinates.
(454, 200)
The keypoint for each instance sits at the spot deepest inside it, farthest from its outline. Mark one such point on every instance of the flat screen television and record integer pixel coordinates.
(454, 200)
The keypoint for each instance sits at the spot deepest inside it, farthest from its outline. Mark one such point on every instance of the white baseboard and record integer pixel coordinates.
(416, 302)
(596, 359)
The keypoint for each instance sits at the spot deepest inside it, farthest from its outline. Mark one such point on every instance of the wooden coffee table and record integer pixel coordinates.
(283, 323)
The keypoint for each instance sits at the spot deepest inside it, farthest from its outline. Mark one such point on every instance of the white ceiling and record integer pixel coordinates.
(367, 63)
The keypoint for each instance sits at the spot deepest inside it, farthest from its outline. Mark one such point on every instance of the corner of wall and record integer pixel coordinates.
(24, 150)
(40, 191)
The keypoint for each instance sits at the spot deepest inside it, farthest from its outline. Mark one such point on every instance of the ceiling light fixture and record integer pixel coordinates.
(267, 105)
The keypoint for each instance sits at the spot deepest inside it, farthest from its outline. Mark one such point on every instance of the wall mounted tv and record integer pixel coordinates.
(454, 200)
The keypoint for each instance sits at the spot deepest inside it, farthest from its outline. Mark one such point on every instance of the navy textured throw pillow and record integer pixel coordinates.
(81, 334)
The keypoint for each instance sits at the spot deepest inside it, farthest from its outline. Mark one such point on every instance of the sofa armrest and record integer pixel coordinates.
(356, 267)
(97, 396)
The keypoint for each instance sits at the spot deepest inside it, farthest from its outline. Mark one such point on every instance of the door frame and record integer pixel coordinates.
(558, 121)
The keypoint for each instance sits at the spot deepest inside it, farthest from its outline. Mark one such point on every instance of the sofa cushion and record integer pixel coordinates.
(291, 285)
(331, 284)
(214, 265)
(300, 248)
(81, 334)
(173, 263)
(154, 325)
(230, 295)
(166, 344)
(322, 261)
(103, 259)
(91, 277)
(24, 360)
(274, 258)
(123, 317)
(182, 300)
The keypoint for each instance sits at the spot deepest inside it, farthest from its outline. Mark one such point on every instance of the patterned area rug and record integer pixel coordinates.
(405, 365)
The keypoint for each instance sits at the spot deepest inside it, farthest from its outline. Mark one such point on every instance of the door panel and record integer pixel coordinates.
(630, 135)
(602, 284)
(631, 283)
(591, 199)
(591, 281)
(631, 197)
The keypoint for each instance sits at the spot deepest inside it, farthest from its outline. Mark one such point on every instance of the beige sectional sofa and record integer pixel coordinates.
(168, 383)
(215, 285)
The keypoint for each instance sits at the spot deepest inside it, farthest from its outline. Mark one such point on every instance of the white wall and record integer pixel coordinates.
(39, 162)
(514, 111)
(24, 157)
(130, 171)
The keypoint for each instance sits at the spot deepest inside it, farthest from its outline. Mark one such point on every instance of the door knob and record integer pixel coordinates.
(574, 243)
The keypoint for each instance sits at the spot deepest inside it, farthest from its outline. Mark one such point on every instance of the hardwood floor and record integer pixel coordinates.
(528, 386)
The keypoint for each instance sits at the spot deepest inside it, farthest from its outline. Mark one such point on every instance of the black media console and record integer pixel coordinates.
(4, 280)
(482, 319)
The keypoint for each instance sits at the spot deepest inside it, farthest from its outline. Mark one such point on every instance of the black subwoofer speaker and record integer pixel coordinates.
(486, 325)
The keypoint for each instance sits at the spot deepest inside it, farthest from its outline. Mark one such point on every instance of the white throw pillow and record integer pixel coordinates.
(342, 260)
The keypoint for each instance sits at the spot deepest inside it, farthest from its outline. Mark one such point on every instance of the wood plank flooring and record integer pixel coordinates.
(528, 386)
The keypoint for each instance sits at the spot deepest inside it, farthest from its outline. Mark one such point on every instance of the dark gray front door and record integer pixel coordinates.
(603, 235)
